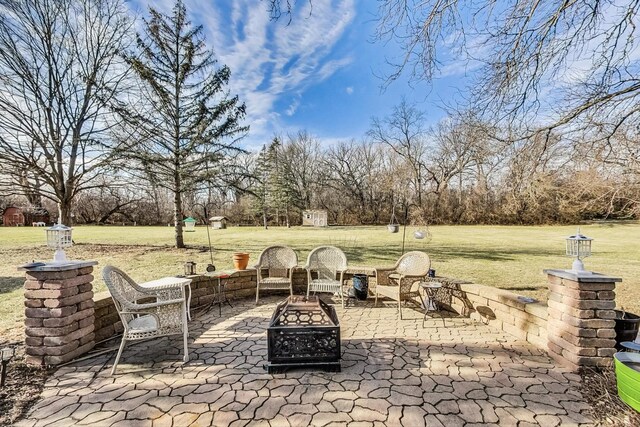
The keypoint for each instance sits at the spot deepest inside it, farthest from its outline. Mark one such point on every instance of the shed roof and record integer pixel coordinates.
(217, 218)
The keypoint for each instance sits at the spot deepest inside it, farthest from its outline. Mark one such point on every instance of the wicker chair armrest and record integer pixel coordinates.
(151, 305)
(167, 287)
(307, 267)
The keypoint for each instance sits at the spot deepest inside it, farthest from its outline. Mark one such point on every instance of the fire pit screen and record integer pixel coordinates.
(303, 332)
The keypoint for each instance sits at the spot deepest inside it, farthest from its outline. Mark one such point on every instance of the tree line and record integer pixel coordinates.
(101, 124)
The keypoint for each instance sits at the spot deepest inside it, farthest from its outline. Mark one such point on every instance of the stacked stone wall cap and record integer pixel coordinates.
(50, 267)
(583, 277)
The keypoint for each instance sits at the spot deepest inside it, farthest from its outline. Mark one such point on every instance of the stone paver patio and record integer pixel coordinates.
(394, 372)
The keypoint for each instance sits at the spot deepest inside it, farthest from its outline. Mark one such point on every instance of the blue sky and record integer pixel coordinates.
(319, 73)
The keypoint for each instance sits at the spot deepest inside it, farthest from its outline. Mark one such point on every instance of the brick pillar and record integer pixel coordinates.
(580, 327)
(59, 313)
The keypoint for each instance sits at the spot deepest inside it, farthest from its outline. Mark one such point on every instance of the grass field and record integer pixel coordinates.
(507, 257)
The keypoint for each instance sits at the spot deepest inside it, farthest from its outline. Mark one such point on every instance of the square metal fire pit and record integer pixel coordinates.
(303, 333)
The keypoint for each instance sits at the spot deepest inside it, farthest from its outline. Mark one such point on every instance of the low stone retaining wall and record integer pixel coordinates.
(239, 284)
(504, 310)
(499, 308)
(590, 336)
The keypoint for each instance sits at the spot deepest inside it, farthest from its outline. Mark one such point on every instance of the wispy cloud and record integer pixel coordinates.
(270, 60)
(293, 107)
(349, 90)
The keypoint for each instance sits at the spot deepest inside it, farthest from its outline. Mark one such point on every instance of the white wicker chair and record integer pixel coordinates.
(410, 268)
(279, 261)
(165, 315)
(328, 262)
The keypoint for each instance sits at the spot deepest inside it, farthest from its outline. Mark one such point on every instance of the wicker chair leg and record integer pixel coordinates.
(115, 364)
(400, 308)
(257, 293)
(342, 298)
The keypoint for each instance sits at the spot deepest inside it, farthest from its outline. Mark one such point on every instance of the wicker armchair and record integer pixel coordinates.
(166, 314)
(410, 268)
(279, 261)
(327, 262)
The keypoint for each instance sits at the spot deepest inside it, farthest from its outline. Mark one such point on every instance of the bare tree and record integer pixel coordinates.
(403, 131)
(302, 168)
(537, 57)
(59, 69)
(357, 174)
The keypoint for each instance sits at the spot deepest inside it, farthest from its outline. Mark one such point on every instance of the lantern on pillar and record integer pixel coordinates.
(58, 238)
(579, 247)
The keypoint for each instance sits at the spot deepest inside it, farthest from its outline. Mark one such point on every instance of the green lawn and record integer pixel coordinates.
(508, 257)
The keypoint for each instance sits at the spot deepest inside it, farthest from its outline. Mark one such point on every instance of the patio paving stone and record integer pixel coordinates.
(394, 372)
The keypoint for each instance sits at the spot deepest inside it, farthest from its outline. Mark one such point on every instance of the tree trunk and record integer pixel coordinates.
(177, 213)
(287, 216)
(264, 219)
(64, 212)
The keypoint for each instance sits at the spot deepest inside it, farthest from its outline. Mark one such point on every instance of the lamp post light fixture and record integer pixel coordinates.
(579, 247)
(58, 238)
(6, 354)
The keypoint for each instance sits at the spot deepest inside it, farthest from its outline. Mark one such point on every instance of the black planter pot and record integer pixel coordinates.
(627, 325)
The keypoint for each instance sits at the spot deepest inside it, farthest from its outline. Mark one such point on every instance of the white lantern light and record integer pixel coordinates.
(58, 238)
(579, 247)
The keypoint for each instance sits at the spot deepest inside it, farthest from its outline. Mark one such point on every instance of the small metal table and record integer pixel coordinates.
(169, 282)
(428, 302)
(221, 293)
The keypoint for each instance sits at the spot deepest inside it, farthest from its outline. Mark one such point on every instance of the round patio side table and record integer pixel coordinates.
(428, 302)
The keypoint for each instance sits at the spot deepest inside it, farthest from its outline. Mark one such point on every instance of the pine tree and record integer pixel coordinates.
(262, 196)
(188, 123)
(280, 185)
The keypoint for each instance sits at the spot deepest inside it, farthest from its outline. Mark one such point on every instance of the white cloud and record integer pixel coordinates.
(271, 60)
(349, 90)
(293, 107)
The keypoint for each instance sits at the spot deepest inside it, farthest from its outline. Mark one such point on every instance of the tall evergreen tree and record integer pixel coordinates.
(262, 202)
(280, 185)
(188, 124)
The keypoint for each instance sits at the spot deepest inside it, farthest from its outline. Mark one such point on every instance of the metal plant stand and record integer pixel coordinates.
(221, 294)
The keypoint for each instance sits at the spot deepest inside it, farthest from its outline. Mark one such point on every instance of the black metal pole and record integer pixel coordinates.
(404, 227)
(3, 375)
(206, 222)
